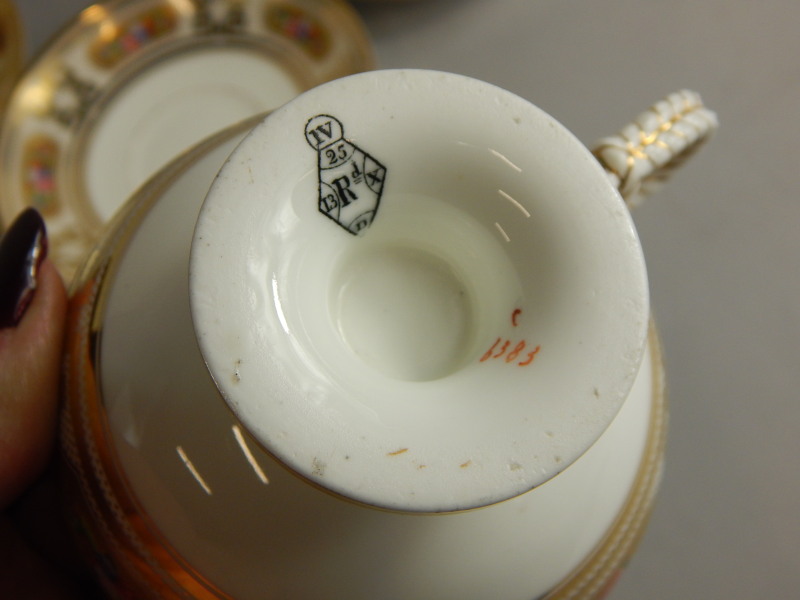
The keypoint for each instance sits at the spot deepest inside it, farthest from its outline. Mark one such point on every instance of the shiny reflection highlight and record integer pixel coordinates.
(502, 231)
(278, 307)
(237, 433)
(505, 159)
(516, 203)
(193, 470)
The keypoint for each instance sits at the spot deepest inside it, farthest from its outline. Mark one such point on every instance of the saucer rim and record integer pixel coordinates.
(73, 223)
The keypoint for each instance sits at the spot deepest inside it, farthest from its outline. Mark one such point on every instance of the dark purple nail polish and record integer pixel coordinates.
(22, 250)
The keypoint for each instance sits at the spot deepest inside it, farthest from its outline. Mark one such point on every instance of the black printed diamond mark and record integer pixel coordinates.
(350, 180)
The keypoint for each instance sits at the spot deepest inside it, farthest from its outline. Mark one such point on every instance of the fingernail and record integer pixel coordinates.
(22, 251)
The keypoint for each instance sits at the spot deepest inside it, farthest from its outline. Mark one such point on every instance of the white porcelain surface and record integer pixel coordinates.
(255, 530)
(508, 226)
(129, 84)
(169, 108)
(721, 243)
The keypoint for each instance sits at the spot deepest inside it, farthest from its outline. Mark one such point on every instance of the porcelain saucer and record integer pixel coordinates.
(131, 83)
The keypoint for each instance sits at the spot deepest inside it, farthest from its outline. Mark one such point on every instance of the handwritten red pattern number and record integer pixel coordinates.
(504, 344)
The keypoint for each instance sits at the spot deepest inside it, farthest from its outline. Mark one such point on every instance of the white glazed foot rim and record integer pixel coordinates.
(418, 291)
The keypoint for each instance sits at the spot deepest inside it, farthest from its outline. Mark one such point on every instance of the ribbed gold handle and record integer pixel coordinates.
(644, 153)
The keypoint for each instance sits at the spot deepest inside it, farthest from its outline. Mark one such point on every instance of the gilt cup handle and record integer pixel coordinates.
(643, 154)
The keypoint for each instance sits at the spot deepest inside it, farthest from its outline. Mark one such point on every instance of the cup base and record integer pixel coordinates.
(510, 359)
(389, 300)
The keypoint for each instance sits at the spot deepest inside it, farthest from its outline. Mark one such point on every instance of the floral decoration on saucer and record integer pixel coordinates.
(130, 84)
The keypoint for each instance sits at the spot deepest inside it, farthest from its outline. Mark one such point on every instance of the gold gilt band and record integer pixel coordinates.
(133, 560)
(594, 579)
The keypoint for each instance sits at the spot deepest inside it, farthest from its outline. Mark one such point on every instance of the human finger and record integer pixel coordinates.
(32, 313)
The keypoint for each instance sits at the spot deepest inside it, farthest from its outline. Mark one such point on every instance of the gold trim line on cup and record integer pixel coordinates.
(598, 573)
(113, 522)
(126, 548)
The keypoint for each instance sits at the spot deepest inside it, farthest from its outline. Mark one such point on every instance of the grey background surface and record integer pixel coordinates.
(721, 242)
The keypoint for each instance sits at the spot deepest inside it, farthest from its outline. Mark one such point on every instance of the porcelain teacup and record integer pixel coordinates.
(392, 341)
